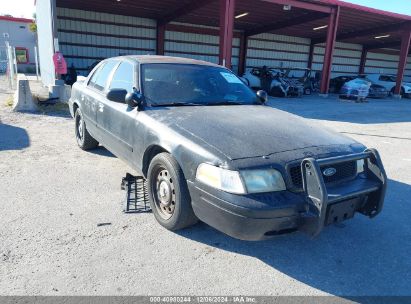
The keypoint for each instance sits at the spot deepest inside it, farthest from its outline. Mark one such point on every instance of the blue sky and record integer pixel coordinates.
(396, 6)
(25, 8)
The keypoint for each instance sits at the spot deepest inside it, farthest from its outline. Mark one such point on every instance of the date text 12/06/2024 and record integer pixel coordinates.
(204, 299)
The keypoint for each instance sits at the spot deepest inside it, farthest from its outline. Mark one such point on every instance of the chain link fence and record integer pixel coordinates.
(8, 68)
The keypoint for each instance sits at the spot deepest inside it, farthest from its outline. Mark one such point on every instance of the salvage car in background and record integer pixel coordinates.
(338, 82)
(389, 82)
(305, 76)
(274, 81)
(212, 150)
(378, 91)
(357, 89)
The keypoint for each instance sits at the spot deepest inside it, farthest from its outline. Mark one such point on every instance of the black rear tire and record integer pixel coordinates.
(402, 92)
(168, 193)
(84, 140)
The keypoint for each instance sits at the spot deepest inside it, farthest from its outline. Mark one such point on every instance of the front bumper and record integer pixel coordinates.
(262, 216)
(378, 94)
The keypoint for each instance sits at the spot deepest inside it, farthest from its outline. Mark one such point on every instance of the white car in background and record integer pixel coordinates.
(357, 89)
(272, 80)
(252, 76)
(389, 82)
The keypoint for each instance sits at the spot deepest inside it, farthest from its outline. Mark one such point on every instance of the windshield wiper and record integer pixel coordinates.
(177, 104)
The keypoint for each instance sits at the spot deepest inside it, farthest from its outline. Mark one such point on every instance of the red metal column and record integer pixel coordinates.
(226, 31)
(329, 49)
(243, 54)
(311, 56)
(363, 60)
(405, 46)
(161, 32)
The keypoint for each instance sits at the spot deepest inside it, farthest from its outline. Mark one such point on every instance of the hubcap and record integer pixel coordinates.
(164, 194)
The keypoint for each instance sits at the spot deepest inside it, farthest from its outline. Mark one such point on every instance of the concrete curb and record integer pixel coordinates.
(23, 100)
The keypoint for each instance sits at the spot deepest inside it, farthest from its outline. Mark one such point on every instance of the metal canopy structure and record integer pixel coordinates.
(333, 20)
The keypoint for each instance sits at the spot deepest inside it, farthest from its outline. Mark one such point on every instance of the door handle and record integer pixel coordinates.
(100, 107)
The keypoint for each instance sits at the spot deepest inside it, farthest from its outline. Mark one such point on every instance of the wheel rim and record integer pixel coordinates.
(164, 194)
(80, 128)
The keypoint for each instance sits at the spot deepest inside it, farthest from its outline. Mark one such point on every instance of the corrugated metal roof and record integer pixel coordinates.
(353, 18)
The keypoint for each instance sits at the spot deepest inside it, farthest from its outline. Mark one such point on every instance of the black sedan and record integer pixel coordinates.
(378, 91)
(212, 150)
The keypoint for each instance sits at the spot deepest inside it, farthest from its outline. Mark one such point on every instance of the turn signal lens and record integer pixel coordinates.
(267, 180)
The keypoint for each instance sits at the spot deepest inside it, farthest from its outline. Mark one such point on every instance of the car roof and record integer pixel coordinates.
(164, 59)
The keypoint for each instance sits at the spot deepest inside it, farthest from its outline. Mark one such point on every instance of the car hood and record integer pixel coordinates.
(246, 131)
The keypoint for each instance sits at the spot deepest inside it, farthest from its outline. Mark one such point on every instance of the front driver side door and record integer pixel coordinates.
(117, 119)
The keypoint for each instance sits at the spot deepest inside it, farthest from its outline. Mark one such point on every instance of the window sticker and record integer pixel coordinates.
(230, 77)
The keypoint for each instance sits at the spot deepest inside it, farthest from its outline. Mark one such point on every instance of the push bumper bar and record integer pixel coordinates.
(334, 203)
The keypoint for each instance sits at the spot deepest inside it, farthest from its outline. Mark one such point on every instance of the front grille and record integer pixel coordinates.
(344, 171)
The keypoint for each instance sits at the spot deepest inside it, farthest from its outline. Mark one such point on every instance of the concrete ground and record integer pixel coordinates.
(53, 196)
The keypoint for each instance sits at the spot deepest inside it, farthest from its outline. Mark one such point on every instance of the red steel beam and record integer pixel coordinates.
(184, 10)
(160, 35)
(329, 50)
(227, 8)
(243, 54)
(286, 23)
(405, 47)
(363, 60)
(304, 5)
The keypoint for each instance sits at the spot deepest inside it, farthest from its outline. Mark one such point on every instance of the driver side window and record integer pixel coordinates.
(123, 77)
(99, 79)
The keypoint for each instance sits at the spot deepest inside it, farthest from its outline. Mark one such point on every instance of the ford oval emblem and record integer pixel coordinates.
(329, 172)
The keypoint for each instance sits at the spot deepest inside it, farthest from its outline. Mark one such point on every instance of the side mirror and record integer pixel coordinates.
(262, 95)
(134, 99)
(117, 95)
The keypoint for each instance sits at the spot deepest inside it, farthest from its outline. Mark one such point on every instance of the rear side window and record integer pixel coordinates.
(100, 77)
(123, 77)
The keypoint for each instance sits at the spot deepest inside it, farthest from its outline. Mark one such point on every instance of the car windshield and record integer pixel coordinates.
(389, 78)
(187, 84)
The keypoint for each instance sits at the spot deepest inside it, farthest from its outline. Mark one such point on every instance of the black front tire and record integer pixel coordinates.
(168, 193)
(84, 140)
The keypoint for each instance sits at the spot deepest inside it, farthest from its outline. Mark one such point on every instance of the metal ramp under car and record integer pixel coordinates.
(136, 198)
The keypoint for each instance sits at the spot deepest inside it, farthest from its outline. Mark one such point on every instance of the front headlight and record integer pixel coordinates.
(247, 181)
(223, 179)
(257, 181)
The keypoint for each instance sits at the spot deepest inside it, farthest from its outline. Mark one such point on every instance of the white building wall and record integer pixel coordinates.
(197, 46)
(19, 35)
(383, 62)
(277, 51)
(86, 37)
(45, 41)
(346, 59)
